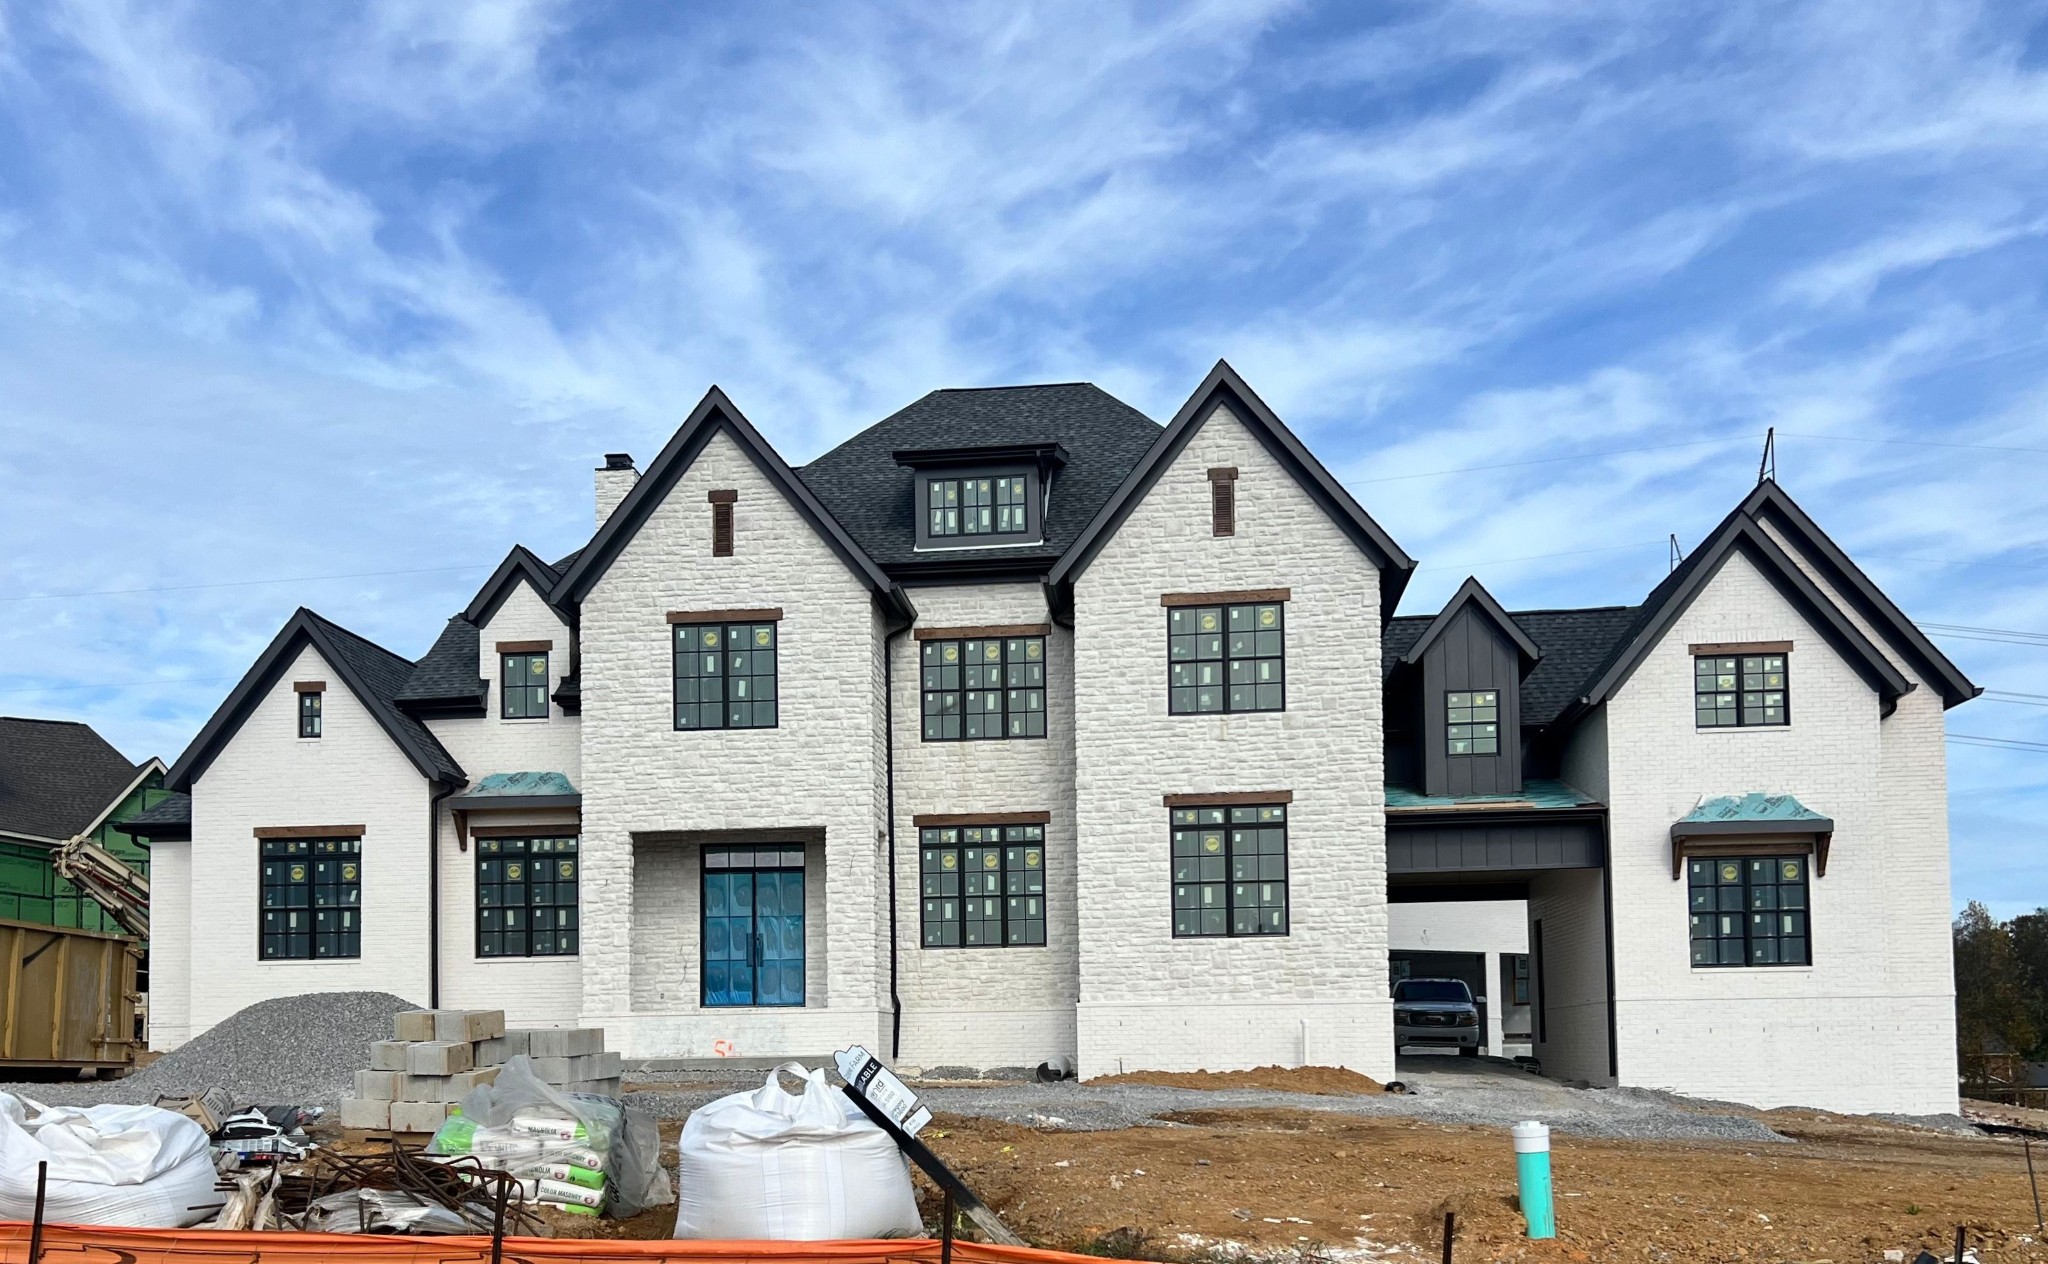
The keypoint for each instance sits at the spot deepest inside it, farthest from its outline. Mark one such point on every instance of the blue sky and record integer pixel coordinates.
(296, 292)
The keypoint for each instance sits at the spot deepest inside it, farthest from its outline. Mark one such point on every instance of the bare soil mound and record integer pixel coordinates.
(1322, 1081)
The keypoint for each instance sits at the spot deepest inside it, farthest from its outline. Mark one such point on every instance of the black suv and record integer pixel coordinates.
(1437, 1012)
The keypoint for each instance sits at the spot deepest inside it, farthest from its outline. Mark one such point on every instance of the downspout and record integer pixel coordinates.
(889, 796)
(434, 893)
(1607, 911)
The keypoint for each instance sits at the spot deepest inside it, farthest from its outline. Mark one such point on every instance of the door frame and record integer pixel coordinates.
(753, 870)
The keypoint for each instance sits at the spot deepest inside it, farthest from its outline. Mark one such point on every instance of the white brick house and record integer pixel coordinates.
(1020, 727)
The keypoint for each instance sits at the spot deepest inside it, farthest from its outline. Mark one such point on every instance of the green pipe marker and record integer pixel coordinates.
(1532, 1177)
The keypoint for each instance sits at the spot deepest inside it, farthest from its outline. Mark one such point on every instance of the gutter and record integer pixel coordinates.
(434, 892)
(895, 896)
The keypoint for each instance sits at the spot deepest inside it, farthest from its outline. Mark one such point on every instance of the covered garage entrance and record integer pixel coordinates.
(1544, 849)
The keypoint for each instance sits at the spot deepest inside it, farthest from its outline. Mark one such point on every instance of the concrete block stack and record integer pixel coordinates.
(437, 1056)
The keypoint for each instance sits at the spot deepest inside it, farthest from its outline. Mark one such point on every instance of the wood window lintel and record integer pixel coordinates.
(767, 614)
(723, 496)
(981, 633)
(1231, 798)
(309, 686)
(309, 831)
(1237, 597)
(1223, 473)
(526, 647)
(1715, 649)
(941, 820)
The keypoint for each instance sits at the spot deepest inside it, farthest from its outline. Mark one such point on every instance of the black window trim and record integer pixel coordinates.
(355, 854)
(505, 688)
(675, 631)
(1043, 688)
(540, 833)
(1449, 724)
(316, 715)
(1224, 602)
(1034, 508)
(1223, 804)
(1745, 856)
(1741, 712)
(1003, 845)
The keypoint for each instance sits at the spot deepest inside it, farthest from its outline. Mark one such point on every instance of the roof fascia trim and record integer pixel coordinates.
(1904, 635)
(227, 719)
(1223, 385)
(1473, 593)
(142, 771)
(711, 413)
(520, 563)
(1740, 532)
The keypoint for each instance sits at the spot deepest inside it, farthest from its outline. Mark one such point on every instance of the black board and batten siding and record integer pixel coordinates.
(1471, 654)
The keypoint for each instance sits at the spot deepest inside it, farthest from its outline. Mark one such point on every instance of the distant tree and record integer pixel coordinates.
(2030, 944)
(1994, 1013)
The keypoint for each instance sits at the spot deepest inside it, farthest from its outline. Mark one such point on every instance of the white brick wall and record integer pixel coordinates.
(986, 1007)
(1148, 999)
(491, 743)
(170, 944)
(266, 775)
(817, 770)
(1569, 983)
(1867, 1026)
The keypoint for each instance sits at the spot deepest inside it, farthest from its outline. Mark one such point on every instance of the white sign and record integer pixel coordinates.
(877, 1083)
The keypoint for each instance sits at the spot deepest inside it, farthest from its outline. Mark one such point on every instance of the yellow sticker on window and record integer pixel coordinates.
(952, 653)
(1212, 842)
(949, 861)
(1208, 623)
(990, 860)
(1032, 649)
(514, 870)
(761, 636)
(298, 873)
(1791, 870)
(1730, 871)
(567, 869)
(1031, 859)
(711, 638)
(1268, 617)
(348, 873)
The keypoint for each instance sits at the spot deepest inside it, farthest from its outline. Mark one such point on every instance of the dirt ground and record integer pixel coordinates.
(1302, 1187)
(1327, 1081)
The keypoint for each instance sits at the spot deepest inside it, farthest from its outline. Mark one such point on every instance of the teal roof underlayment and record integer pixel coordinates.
(1537, 792)
(1756, 809)
(521, 783)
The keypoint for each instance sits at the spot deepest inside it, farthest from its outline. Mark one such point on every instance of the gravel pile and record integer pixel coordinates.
(295, 1050)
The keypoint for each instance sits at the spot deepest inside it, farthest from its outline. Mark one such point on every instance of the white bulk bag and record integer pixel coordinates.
(795, 1168)
(136, 1166)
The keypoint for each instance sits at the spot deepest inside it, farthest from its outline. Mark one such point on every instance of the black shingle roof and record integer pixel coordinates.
(172, 811)
(872, 496)
(447, 671)
(384, 675)
(56, 776)
(1576, 645)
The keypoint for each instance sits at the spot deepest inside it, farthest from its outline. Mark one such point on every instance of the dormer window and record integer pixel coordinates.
(998, 505)
(979, 498)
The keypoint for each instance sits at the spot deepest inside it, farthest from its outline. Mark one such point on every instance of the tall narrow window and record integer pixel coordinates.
(721, 522)
(309, 713)
(1749, 911)
(1519, 964)
(1226, 658)
(1741, 690)
(1472, 722)
(526, 897)
(1230, 871)
(725, 675)
(312, 891)
(523, 686)
(1223, 501)
(983, 886)
(984, 688)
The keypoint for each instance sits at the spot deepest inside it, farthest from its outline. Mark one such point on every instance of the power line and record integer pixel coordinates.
(1998, 636)
(2016, 699)
(1548, 460)
(124, 684)
(240, 583)
(1999, 743)
(1915, 443)
(1533, 557)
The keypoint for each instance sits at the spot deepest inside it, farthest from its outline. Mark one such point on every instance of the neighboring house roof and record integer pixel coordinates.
(1224, 387)
(1739, 533)
(1472, 593)
(375, 675)
(875, 497)
(169, 818)
(715, 413)
(1770, 504)
(1574, 643)
(58, 777)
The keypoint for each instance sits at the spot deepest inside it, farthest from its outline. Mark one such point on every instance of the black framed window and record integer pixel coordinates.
(725, 675)
(983, 886)
(1472, 722)
(312, 892)
(526, 897)
(1229, 871)
(1226, 658)
(992, 504)
(1742, 690)
(985, 688)
(523, 686)
(309, 714)
(1749, 911)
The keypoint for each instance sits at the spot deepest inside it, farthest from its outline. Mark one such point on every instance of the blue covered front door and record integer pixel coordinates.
(753, 926)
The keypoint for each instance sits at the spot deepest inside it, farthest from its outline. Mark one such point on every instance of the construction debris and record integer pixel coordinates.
(437, 1057)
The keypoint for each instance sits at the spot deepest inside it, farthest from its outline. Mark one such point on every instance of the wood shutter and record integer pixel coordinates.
(1223, 500)
(721, 522)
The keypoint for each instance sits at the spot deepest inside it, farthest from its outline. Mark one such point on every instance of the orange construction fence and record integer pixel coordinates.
(95, 1244)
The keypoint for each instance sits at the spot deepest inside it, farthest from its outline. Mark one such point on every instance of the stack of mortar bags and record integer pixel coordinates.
(579, 1152)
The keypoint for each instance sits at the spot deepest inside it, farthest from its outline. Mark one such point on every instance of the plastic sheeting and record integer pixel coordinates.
(785, 1166)
(108, 1165)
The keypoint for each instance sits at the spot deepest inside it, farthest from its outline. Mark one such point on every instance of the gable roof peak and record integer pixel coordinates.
(521, 563)
(1472, 593)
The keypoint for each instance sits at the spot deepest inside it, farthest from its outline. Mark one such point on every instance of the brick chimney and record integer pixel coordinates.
(614, 479)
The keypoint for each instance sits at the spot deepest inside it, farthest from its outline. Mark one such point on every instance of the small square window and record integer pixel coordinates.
(1742, 691)
(1472, 722)
(1748, 910)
